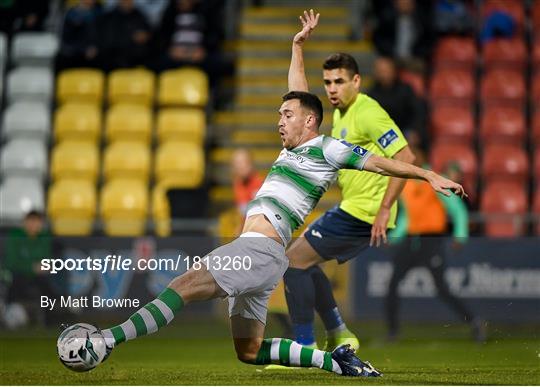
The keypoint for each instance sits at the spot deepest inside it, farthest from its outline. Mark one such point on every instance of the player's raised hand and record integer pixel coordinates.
(443, 185)
(309, 22)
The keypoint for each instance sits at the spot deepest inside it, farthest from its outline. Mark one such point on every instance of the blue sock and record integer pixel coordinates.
(300, 295)
(304, 333)
(332, 319)
(325, 303)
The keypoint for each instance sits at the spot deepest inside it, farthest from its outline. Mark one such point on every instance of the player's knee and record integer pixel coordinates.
(302, 258)
(185, 284)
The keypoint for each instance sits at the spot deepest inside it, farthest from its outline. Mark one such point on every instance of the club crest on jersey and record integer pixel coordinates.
(387, 138)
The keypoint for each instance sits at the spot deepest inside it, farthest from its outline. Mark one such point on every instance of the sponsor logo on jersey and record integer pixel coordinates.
(355, 148)
(291, 155)
(388, 138)
(304, 150)
(359, 151)
(317, 234)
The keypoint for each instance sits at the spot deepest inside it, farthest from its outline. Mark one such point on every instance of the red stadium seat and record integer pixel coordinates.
(452, 87)
(536, 166)
(444, 153)
(503, 88)
(456, 53)
(535, 55)
(535, 18)
(535, 92)
(414, 80)
(502, 125)
(453, 124)
(513, 7)
(535, 133)
(504, 53)
(504, 205)
(536, 208)
(503, 162)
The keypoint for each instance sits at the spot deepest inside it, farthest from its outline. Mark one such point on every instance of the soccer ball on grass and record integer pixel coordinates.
(81, 347)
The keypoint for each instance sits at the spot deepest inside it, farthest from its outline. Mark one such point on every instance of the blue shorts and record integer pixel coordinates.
(336, 234)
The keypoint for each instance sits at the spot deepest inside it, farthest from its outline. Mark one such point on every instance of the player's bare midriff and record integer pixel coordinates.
(260, 223)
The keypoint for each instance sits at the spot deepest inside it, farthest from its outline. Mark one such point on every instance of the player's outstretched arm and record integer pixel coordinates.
(297, 80)
(396, 168)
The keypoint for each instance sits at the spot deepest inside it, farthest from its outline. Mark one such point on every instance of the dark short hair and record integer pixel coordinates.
(341, 61)
(307, 101)
(34, 214)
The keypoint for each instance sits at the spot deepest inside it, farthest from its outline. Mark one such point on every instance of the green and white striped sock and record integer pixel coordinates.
(146, 320)
(291, 354)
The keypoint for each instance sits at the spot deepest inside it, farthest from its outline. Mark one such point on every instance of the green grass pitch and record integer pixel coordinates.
(202, 354)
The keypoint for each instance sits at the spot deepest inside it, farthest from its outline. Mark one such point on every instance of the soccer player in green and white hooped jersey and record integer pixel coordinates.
(368, 207)
(304, 169)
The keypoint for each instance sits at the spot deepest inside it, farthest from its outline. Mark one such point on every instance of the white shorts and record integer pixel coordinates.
(249, 288)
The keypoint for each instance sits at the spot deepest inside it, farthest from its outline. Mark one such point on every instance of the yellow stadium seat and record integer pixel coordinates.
(183, 87)
(72, 207)
(161, 211)
(131, 86)
(129, 159)
(230, 224)
(76, 121)
(124, 207)
(129, 122)
(186, 125)
(80, 85)
(179, 165)
(75, 159)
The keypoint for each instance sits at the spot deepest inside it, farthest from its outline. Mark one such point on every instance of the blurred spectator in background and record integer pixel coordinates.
(453, 17)
(124, 37)
(79, 39)
(498, 24)
(420, 229)
(246, 179)
(25, 248)
(152, 9)
(22, 15)
(246, 183)
(399, 100)
(191, 34)
(404, 30)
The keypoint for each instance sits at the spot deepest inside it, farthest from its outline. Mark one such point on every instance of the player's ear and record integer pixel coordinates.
(357, 80)
(310, 120)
